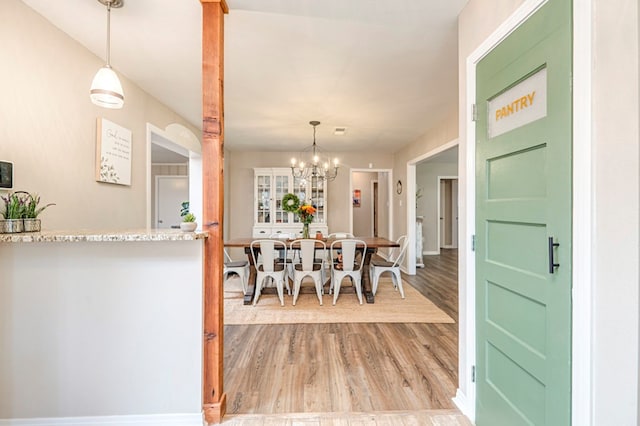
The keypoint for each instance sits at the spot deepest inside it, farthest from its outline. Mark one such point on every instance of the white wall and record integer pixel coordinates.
(100, 329)
(445, 132)
(615, 247)
(427, 179)
(49, 124)
(384, 202)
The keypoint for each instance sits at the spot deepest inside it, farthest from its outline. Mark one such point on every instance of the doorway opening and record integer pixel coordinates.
(174, 175)
(448, 212)
(424, 175)
(371, 213)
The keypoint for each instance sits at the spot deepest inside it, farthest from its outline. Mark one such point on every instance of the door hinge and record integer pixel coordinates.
(473, 242)
(474, 112)
(473, 373)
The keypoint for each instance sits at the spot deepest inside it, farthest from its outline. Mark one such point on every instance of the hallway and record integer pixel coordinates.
(349, 368)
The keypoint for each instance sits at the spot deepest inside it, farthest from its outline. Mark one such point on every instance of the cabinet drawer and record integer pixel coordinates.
(261, 232)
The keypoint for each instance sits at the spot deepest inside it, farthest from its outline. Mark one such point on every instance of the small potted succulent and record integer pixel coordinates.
(188, 219)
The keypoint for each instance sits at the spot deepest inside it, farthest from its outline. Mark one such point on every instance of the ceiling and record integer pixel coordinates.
(387, 71)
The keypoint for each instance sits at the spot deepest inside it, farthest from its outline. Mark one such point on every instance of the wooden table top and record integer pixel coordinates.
(371, 242)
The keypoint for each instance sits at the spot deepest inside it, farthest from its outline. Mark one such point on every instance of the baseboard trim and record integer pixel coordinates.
(134, 420)
(431, 253)
(460, 400)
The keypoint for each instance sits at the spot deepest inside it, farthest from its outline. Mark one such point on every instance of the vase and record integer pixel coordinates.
(11, 226)
(305, 230)
(188, 226)
(31, 225)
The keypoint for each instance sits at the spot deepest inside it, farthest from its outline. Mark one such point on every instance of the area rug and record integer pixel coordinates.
(389, 307)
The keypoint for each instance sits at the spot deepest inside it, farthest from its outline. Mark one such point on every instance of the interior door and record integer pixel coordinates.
(171, 192)
(375, 209)
(523, 208)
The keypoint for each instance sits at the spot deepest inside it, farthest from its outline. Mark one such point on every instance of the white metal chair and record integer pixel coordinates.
(379, 267)
(238, 267)
(287, 258)
(337, 235)
(270, 268)
(309, 265)
(349, 267)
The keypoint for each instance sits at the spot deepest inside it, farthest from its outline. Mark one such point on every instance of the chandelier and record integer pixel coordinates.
(317, 166)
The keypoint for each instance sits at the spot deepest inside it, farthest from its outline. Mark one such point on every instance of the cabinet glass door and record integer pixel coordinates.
(281, 188)
(317, 199)
(300, 189)
(263, 198)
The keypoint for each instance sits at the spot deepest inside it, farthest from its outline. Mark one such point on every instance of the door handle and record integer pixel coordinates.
(552, 264)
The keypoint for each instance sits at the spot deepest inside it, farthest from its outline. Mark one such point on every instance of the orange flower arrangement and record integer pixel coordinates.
(306, 212)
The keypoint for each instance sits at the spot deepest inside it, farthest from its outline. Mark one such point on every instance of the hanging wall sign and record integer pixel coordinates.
(113, 153)
(522, 104)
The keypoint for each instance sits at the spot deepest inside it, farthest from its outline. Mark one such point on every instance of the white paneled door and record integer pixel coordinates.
(171, 191)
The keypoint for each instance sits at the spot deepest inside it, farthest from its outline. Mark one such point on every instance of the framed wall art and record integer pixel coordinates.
(357, 198)
(113, 153)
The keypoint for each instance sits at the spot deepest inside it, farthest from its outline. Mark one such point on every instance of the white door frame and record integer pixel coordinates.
(582, 295)
(440, 179)
(389, 197)
(411, 202)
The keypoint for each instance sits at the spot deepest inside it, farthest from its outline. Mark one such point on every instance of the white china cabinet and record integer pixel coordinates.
(270, 186)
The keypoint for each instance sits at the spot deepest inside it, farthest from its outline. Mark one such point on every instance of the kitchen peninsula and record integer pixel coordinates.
(101, 324)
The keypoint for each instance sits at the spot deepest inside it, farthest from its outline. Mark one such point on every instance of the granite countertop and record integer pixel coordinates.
(103, 236)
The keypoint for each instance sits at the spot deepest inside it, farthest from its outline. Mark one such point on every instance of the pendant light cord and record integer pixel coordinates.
(109, 34)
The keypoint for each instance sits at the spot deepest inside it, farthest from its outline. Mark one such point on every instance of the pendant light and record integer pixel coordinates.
(106, 90)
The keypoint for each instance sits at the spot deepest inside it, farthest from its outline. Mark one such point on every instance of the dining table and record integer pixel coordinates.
(372, 243)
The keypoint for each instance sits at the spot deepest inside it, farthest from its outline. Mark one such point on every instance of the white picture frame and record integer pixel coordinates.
(113, 153)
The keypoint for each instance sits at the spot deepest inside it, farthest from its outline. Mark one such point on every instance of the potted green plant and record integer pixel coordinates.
(188, 219)
(14, 206)
(32, 209)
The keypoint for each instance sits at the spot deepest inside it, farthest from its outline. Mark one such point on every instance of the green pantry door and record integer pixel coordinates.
(523, 224)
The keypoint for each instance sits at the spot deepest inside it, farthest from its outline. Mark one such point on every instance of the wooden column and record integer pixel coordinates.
(213, 396)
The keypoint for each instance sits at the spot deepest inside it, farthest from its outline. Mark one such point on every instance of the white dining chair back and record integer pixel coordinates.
(271, 268)
(287, 258)
(238, 267)
(340, 235)
(396, 257)
(350, 266)
(310, 264)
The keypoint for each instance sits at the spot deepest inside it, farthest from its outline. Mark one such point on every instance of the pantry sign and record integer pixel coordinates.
(522, 104)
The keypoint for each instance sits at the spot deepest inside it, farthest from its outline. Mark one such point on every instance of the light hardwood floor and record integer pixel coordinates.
(356, 370)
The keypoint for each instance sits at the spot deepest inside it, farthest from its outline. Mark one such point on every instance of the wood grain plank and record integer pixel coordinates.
(352, 367)
(213, 396)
